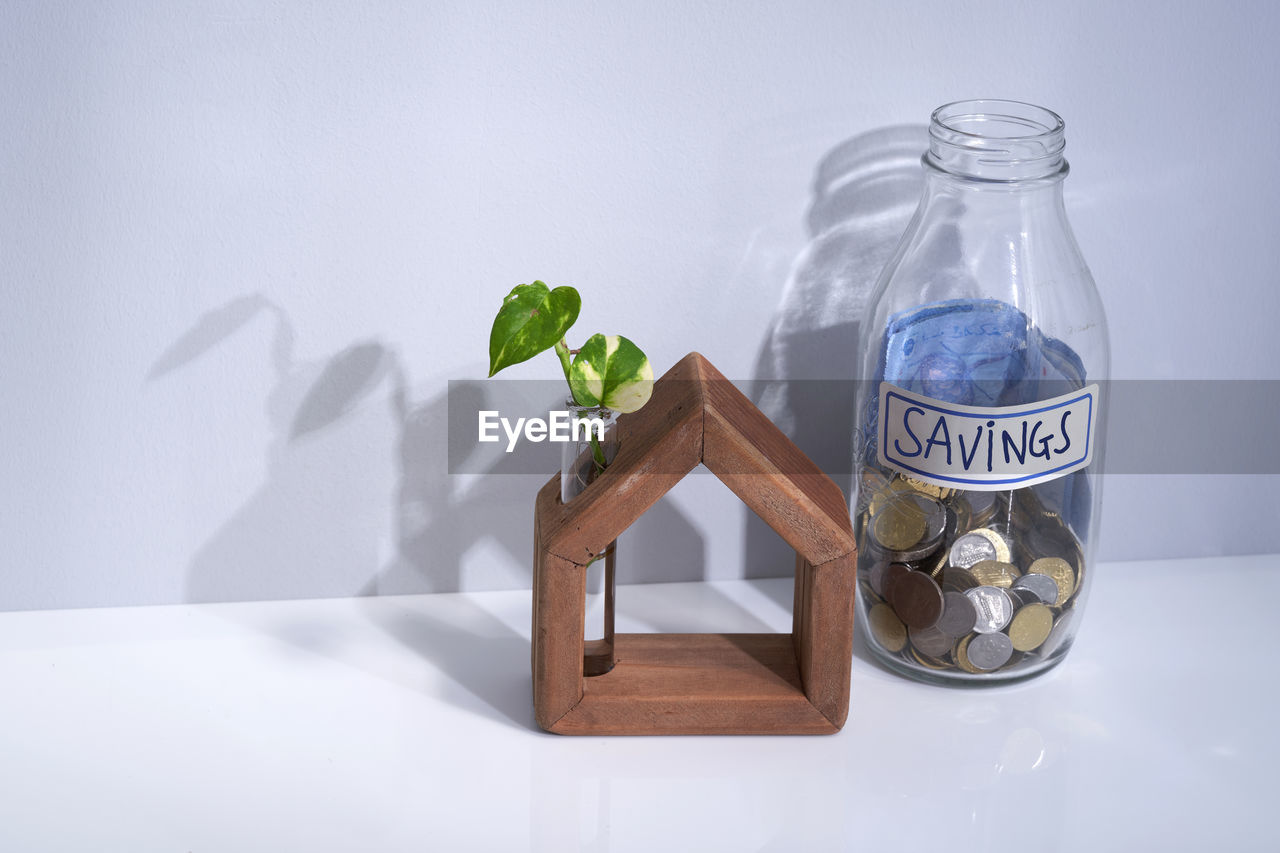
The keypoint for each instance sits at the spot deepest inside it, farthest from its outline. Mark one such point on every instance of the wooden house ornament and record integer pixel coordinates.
(795, 683)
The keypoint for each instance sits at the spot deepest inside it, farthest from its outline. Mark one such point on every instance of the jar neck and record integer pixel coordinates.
(1000, 144)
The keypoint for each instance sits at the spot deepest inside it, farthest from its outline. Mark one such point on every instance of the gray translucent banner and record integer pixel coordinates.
(1149, 426)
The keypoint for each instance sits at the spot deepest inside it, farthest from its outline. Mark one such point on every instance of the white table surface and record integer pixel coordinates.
(405, 723)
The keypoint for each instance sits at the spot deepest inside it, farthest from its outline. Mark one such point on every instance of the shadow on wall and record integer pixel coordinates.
(317, 526)
(864, 193)
(347, 441)
(439, 517)
(308, 525)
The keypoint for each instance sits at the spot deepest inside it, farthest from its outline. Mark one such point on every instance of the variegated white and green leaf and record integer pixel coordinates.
(611, 371)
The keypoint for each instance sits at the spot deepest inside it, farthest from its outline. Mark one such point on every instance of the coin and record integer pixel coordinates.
(963, 514)
(935, 521)
(890, 492)
(935, 517)
(961, 654)
(1061, 631)
(989, 651)
(998, 542)
(982, 505)
(994, 573)
(1030, 627)
(1021, 597)
(875, 576)
(972, 548)
(937, 564)
(916, 599)
(1044, 587)
(929, 661)
(891, 577)
(1061, 572)
(933, 491)
(957, 580)
(898, 526)
(940, 559)
(958, 615)
(994, 607)
(887, 629)
(930, 641)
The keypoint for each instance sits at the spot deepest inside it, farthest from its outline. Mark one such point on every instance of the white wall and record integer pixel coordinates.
(245, 245)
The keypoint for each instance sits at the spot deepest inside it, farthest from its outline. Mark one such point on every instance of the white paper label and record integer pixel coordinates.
(986, 449)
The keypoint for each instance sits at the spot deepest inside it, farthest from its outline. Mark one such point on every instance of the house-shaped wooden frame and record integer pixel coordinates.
(795, 683)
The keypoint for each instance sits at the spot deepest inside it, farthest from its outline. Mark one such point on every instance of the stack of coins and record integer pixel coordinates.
(970, 582)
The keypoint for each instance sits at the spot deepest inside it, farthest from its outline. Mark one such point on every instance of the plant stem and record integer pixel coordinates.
(597, 454)
(562, 350)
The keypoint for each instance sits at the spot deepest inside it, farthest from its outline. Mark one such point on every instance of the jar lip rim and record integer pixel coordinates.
(1049, 122)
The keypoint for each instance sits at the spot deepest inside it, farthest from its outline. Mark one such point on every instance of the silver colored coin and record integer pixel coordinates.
(930, 641)
(981, 504)
(990, 651)
(971, 549)
(1022, 597)
(994, 606)
(958, 615)
(1043, 587)
(914, 555)
(1007, 538)
(1058, 635)
(935, 518)
(876, 576)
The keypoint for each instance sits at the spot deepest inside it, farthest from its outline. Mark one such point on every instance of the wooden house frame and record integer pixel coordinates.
(795, 683)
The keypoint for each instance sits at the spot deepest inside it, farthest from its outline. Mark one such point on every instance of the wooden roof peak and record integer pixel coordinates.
(697, 416)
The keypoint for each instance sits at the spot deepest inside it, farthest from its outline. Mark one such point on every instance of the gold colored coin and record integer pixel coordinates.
(1060, 570)
(898, 526)
(994, 573)
(997, 541)
(964, 515)
(1030, 627)
(889, 492)
(929, 661)
(961, 655)
(887, 628)
(939, 563)
(939, 492)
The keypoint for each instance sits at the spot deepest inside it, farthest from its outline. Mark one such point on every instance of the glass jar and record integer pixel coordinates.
(978, 445)
(593, 446)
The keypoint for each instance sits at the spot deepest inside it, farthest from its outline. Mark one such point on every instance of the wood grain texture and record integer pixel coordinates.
(771, 475)
(657, 448)
(795, 683)
(824, 634)
(697, 684)
(559, 606)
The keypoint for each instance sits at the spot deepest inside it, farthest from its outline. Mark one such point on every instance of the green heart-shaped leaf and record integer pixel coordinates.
(532, 319)
(611, 372)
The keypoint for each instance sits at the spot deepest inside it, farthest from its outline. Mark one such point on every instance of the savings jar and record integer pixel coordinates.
(978, 435)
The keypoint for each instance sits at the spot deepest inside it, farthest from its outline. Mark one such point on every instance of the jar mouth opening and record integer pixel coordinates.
(997, 121)
(993, 139)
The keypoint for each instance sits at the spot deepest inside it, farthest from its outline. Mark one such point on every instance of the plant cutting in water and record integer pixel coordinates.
(608, 371)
